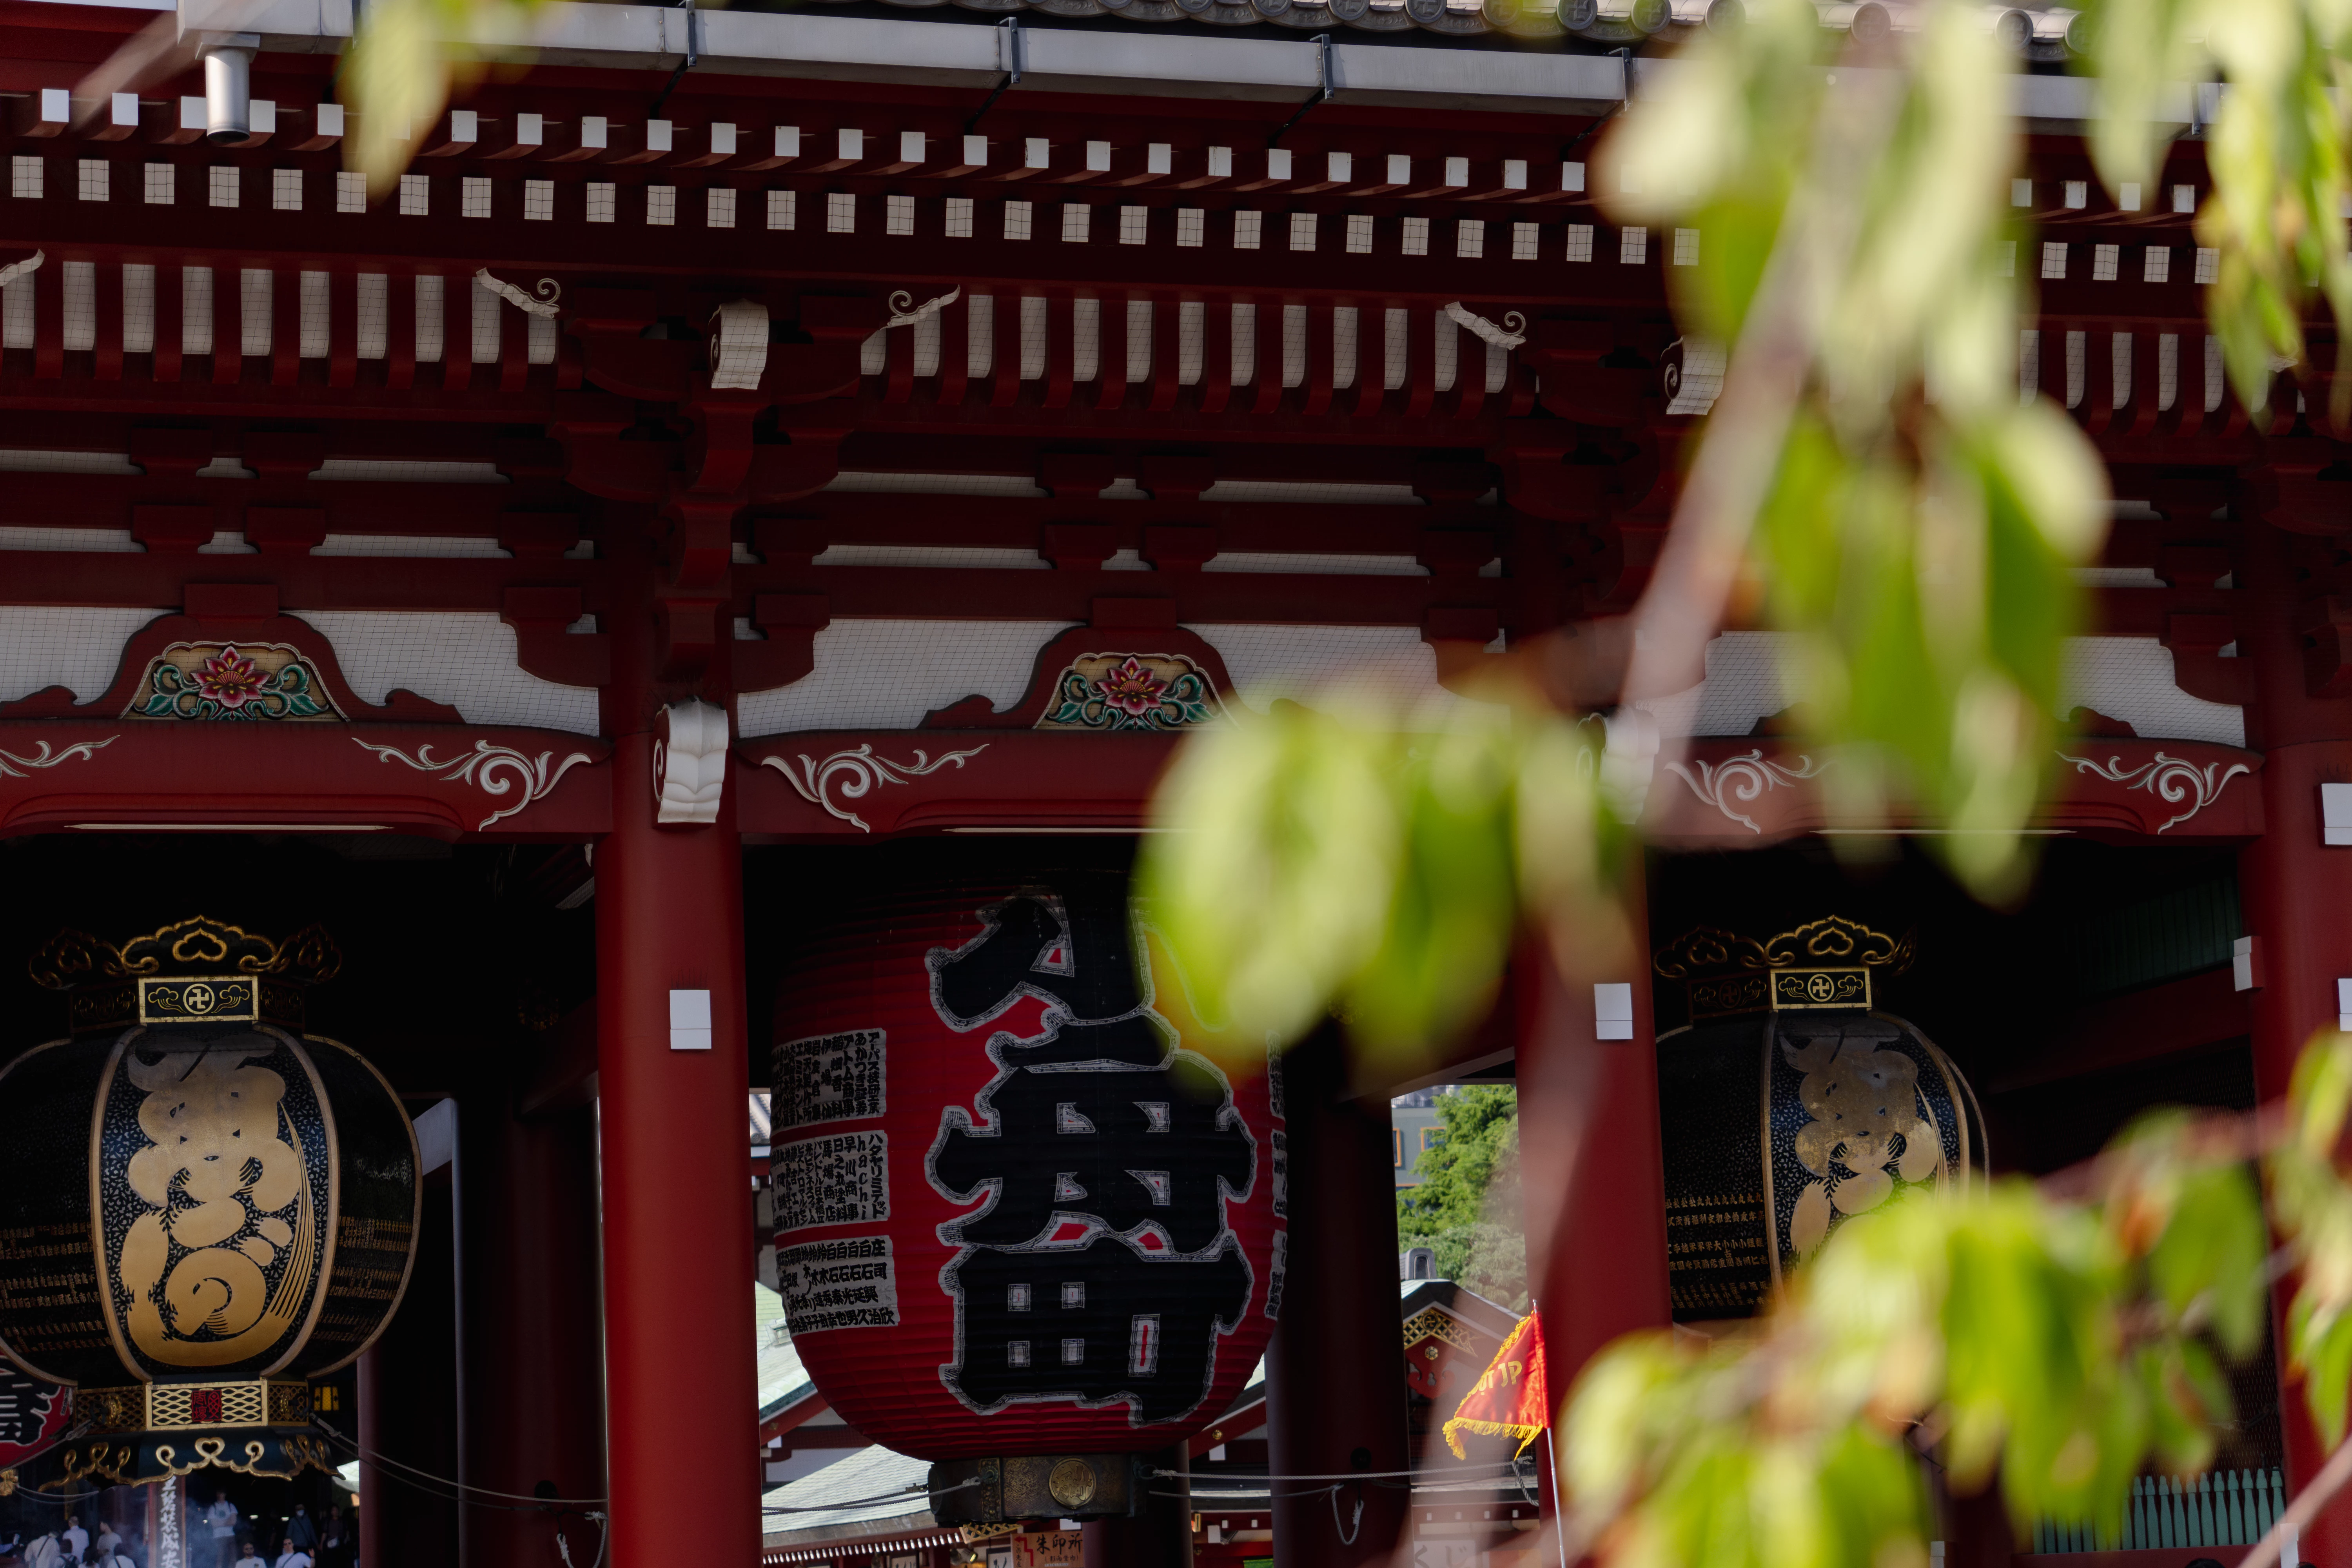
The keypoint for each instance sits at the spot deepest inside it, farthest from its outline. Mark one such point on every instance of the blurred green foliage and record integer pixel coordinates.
(1913, 524)
(2059, 1340)
(1319, 860)
(2275, 150)
(1879, 484)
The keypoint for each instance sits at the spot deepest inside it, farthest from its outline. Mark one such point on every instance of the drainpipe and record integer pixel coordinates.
(228, 85)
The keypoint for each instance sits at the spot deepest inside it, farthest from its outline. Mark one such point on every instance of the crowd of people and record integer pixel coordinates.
(69, 1543)
(302, 1542)
(218, 1535)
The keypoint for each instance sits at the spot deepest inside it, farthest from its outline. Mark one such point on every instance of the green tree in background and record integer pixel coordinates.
(1466, 1208)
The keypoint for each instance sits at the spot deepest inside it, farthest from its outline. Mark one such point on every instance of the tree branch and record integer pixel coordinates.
(2305, 1508)
(1683, 608)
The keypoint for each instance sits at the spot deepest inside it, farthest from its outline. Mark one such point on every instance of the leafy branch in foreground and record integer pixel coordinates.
(1322, 861)
(2060, 1336)
(1913, 525)
(2275, 150)
(404, 61)
(1873, 480)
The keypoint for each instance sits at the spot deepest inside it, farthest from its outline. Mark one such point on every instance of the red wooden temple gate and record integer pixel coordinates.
(851, 371)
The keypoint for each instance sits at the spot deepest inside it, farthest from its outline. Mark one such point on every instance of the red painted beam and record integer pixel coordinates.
(1011, 780)
(1241, 1418)
(1338, 527)
(2110, 788)
(387, 582)
(1270, 598)
(423, 509)
(141, 394)
(2141, 1026)
(63, 774)
(792, 1416)
(805, 1437)
(925, 262)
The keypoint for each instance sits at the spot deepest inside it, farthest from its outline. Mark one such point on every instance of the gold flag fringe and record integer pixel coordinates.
(1526, 1434)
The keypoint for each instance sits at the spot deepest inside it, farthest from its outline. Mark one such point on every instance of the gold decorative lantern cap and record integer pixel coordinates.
(193, 971)
(1824, 965)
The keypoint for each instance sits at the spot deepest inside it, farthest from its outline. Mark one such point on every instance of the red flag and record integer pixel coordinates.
(1511, 1399)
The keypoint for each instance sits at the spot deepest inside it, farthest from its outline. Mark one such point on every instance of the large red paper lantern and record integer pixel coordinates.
(33, 1418)
(1027, 1203)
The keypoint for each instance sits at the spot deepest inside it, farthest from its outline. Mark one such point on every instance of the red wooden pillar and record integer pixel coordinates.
(2297, 897)
(367, 1510)
(533, 1405)
(408, 1389)
(680, 1375)
(1591, 1167)
(228, 322)
(1159, 1533)
(1335, 1373)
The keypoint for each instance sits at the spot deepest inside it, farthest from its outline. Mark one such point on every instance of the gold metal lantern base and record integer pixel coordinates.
(131, 1436)
(193, 1406)
(1049, 1485)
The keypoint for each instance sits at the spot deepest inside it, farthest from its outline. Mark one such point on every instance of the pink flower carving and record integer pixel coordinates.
(229, 679)
(1132, 689)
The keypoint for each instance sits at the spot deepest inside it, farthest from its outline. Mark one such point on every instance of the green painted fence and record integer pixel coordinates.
(2221, 1508)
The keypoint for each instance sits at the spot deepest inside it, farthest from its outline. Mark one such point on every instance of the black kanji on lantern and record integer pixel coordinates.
(1098, 1123)
(1095, 1324)
(1031, 949)
(1127, 1148)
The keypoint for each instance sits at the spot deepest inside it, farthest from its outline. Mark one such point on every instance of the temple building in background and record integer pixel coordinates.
(685, 596)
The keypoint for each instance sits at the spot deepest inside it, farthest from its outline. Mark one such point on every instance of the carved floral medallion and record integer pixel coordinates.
(208, 680)
(1131, 691)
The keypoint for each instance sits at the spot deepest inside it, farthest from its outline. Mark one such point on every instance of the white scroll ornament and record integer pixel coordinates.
(496, 770)
(1735, 782)
(80, 750)
(690, 762)
(739, 346)
(903, 316)
(1480, 327)
(2172, 780)
(860, 771)
(549, 291)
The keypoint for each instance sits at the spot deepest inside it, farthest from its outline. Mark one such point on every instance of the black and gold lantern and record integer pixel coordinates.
(201, 1207)
(1788, 1105)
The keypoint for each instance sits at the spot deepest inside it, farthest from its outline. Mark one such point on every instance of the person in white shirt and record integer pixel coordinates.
(75, 1539)
(108, 1541)
(221, 1519)
(45, 1552)
(293, 1557)
(247, 1557)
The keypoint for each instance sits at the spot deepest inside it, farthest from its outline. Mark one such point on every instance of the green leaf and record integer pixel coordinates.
(2210, 1256)
(2321, 1344)
(2320, 1093)
(1275, 879)
(1434, 970)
